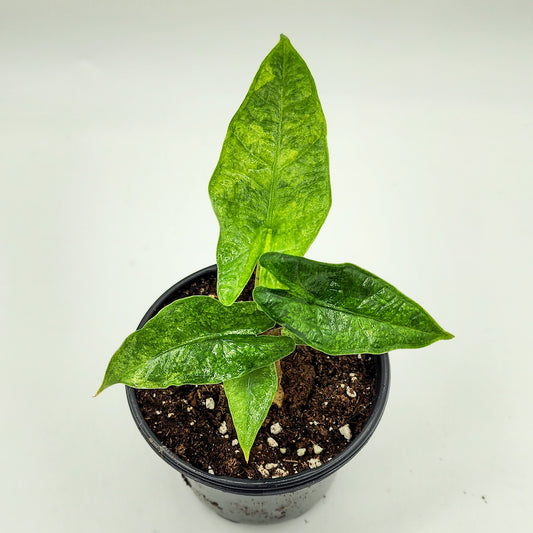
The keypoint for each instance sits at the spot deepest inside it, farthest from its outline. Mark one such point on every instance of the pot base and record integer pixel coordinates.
(260, 509)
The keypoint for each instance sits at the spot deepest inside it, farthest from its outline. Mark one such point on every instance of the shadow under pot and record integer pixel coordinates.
(258, 500)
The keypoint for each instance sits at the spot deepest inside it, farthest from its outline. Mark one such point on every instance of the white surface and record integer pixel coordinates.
(112, 118)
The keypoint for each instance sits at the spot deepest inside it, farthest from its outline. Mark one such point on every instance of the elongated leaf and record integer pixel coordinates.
(196, 340)
(249, 398)
(343, 309)
(270, 189)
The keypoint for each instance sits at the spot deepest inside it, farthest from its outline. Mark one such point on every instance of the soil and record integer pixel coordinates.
(327, 400)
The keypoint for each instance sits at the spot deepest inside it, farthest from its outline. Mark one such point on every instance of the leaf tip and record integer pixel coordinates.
(246, 452)
(225, 297)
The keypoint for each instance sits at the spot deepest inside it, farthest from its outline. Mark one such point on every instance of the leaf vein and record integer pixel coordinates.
(248, 151)
(302, 153)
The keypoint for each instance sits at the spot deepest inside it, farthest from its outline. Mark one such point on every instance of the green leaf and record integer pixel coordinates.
(196, 340)
(249, 399)
(270, 190)
(343, 309)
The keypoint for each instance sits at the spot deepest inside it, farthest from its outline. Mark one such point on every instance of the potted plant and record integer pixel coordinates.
(271, 194)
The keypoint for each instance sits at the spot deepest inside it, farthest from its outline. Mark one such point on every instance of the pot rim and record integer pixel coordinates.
(290, 483)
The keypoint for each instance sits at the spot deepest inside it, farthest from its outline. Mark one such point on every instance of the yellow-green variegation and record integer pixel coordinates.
(196, 340)
(271, 190)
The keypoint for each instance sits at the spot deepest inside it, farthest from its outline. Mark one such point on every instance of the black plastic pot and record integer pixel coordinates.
(258, 501)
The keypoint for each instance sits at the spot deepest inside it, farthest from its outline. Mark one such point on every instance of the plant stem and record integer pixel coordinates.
(280, 394)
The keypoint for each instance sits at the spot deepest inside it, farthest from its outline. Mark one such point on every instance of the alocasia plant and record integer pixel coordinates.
(271, 194)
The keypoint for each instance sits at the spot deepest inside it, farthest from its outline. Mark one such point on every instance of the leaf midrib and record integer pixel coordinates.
(275, 164)
(197, 340)
(315, 301)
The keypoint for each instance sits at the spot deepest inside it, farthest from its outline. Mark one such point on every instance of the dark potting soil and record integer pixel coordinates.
(326, 402)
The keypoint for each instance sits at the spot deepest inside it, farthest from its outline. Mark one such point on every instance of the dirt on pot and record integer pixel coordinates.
(327, 400)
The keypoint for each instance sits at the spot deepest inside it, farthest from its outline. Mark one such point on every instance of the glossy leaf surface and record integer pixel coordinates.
(343, 309)
(270, 190)
(249, 399)
(196, 340)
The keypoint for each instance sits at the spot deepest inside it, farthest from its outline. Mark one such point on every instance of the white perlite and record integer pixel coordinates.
(350, 392)
(300, 452)
(346, 432)
(275, 428)
(210, 403)
(317, 449)
(210, 470)
(234, 442)
(270, 466)
(263, 471)
(283, 450)
(271, 442)
(280, 472)
(314, 462)
(223, 429)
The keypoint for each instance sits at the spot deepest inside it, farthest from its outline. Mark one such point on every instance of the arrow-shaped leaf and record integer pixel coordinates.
(196, 340)
(271, 190)
(343, 309)
(249, 399)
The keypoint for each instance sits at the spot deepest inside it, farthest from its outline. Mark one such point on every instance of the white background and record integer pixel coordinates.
(112, 115)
